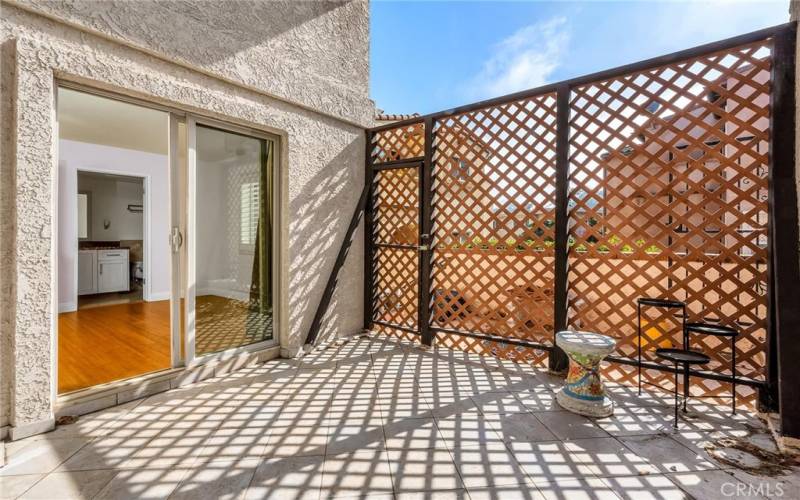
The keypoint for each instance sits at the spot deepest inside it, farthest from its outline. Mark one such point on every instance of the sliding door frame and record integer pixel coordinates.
(179, 355)
(174, 115)
(190, 238)
(175, 242)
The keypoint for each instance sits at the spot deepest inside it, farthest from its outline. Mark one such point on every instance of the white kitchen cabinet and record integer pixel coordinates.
(111, 271)
(87, 272)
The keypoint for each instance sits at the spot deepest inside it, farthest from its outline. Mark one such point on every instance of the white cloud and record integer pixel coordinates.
(706, 21)
(524, 60)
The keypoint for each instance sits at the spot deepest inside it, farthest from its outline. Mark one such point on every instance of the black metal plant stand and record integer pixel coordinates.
(664, 303)
(683, 357)
(723, 332)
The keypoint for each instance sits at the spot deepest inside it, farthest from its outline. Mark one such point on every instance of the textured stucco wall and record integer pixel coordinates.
(6, 225)
(287, 48)
(322, 176)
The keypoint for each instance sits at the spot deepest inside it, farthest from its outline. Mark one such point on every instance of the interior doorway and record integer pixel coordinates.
(111, 239)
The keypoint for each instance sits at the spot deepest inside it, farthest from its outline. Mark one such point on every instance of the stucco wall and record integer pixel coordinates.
(321, 177)
(7, 54)
(313, 53)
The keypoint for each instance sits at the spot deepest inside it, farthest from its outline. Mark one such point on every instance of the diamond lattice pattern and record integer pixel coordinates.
(494, 214)
(668, 199)
(400, 143)
(395, 208)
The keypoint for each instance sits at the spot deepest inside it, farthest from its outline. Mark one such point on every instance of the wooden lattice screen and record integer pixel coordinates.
(668, 199)
(396, 144)
(395, 231)
(494, 216)
(663, 174)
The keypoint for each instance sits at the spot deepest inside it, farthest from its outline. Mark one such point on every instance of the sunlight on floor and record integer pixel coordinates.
(224, 323)
(383, 419)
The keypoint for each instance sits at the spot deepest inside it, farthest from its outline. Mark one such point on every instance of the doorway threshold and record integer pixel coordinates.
(103, 396)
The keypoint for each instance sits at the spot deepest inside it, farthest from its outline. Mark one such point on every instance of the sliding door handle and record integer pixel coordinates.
(176, 239)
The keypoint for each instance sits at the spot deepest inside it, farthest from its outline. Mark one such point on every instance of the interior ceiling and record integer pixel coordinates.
(217, 145)
(93, 119)
(98, 120)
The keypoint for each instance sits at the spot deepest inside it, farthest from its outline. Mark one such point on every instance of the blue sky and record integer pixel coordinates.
(430, 56)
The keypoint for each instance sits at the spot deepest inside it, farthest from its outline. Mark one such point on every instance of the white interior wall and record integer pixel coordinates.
(74, 156)
(223, 267)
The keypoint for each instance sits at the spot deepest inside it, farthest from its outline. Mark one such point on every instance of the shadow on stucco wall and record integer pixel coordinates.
(318, 222)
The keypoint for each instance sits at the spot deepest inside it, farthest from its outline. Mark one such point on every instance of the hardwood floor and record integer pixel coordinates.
(104, 344)
(110, 299)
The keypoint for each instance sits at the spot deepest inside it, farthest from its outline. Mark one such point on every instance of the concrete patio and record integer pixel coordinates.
(375, 417)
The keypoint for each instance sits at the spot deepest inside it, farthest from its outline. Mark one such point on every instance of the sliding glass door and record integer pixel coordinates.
(165, 236)
(230, 278)
(117, 281)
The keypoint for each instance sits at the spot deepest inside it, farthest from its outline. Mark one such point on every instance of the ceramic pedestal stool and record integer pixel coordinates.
(583, 391)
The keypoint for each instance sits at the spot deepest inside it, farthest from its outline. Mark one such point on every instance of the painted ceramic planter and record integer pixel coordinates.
(583, 391)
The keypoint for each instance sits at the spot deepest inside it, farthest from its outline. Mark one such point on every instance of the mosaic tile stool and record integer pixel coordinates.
(583, 391)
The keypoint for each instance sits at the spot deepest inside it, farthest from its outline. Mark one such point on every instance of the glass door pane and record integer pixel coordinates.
(230, 263)
(114, 283)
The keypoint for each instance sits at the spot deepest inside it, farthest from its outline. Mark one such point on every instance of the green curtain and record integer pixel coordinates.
(261, 284)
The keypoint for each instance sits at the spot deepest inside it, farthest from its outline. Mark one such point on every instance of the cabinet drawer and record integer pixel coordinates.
(112, 254)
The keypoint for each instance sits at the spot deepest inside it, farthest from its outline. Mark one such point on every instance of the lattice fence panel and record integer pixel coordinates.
(404, 336)
(395, 208)
(401, 143)
(494, 215)
(489, 348)
(711, 391)
(668, 199)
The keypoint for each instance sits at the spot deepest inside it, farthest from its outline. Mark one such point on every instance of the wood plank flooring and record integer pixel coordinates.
(103, 344)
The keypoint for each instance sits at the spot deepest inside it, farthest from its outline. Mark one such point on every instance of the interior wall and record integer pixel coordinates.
(110, 198)
(74, 156)
(224, 268)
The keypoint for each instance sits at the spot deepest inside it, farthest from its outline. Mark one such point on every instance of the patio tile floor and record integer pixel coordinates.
(381, 419)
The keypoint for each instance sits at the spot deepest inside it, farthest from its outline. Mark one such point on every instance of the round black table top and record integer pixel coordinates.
(711, 329)
(683, 356)
(647, 301)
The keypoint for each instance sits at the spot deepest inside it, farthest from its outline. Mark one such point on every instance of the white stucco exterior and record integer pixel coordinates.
(298, 70)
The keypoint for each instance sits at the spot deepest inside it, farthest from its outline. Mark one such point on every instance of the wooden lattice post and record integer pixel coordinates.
(558, 361)
(784, 340)
(425, 230)
(368, 214)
